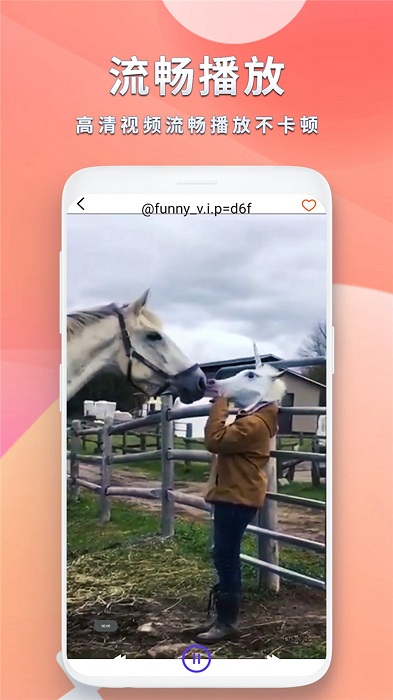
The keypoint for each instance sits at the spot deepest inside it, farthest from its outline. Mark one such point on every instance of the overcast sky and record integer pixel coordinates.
(217, 283)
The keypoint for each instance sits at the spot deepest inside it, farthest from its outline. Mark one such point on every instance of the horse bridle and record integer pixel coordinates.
(133, 354)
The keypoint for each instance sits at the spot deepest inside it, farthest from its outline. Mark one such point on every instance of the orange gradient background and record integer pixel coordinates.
(56, 58)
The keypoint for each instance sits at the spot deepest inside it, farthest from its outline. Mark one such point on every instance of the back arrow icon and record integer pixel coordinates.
(79, 204)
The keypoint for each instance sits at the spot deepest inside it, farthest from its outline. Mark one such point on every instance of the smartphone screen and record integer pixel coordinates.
(196, 419)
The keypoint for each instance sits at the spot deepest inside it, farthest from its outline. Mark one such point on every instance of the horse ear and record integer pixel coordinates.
(140, 303)
(258, 362)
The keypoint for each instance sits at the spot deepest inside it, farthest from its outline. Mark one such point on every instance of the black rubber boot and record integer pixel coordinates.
(211, 613)
(228, 605)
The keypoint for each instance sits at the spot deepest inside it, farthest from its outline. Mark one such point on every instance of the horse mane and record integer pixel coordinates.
(77, 321)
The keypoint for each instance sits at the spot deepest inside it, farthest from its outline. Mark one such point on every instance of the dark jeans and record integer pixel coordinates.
(230, 522)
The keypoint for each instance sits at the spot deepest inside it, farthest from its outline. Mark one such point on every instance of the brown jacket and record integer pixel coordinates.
(238, 474)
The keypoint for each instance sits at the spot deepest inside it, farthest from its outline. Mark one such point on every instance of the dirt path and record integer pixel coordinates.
(292, 520)
(161, 628)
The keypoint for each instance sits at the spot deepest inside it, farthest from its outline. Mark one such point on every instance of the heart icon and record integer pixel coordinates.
(309, 204)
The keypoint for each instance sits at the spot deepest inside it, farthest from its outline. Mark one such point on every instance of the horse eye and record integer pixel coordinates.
(251, 375)
(153, 336)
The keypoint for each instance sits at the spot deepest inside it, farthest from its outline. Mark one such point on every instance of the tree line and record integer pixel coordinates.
(314, 345)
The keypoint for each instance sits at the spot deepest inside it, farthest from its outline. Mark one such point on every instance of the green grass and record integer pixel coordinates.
(305, 489)
(124, 560)
(192, 541)
(288, 443)
(311, 651)
(86, 535)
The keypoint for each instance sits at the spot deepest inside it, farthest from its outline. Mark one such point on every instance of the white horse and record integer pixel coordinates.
(129, 339)
(250, 389)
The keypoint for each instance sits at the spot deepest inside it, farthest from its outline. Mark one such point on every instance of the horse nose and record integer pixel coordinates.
(197, 380)
(202, 382)
(192, 386)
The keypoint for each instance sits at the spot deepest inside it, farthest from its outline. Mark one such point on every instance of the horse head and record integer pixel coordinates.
(250, 388)
(155, 363)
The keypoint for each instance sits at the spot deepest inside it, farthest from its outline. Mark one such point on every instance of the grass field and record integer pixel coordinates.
(85, 535)
(305, 489)
(125, 571)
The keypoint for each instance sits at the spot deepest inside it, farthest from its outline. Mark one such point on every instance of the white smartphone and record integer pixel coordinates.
(196, 400)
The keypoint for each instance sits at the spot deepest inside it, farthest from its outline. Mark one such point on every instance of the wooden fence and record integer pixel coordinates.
(139, 439)
(266, 527)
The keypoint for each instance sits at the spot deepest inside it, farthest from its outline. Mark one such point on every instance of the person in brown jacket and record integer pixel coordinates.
(238, 480)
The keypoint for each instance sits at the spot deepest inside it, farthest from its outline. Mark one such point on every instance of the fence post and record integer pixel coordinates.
(187, 441)
(213, 459)
(105, 507)
(76, 444)
(158, 435)
(268, 518)
(167, 469)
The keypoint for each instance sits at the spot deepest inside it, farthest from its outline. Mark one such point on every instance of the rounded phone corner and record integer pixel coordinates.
(317, 175)
(77, 174)
(77, 181)
(310, 177)
(318, 675)
(76, 678)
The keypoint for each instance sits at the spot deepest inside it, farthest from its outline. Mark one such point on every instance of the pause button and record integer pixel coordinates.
(196, 658)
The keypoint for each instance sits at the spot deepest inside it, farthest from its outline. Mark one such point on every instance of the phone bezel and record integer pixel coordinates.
(183, 181)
